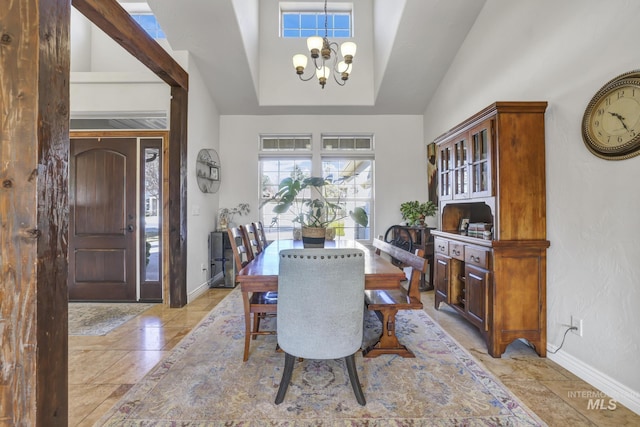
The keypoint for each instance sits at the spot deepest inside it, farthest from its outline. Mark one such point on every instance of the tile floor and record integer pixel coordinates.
(103, 368)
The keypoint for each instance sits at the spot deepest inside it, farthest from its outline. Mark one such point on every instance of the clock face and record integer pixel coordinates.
(611, 123)
(615, 120)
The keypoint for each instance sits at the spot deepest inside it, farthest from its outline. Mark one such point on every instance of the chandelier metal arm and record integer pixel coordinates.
(306, 79)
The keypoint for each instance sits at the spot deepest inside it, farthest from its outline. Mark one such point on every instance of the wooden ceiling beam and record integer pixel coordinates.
(116, 22)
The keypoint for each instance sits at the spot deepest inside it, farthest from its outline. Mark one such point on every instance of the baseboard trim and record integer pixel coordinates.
(191, 296)
(617, 391)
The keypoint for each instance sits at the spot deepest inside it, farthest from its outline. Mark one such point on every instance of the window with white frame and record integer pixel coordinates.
(298, 20)
(281, 156)
(346, 162)
(351, 186)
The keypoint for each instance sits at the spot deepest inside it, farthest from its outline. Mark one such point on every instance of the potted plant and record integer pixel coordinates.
(226, 215)
(315, 213)
(415, 212)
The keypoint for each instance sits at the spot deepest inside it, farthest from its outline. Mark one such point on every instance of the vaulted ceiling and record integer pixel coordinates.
(404, 49)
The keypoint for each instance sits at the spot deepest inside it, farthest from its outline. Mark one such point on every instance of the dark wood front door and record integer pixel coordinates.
(102, 219)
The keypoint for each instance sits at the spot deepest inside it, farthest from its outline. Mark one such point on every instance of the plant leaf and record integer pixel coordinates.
(359, 215)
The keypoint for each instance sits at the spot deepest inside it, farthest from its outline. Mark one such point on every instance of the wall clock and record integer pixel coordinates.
(611, 121)
(208, 170)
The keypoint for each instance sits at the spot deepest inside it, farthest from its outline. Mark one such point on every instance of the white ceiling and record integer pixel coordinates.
(404, 49)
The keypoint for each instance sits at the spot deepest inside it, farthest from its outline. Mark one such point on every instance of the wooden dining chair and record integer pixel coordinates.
(257, 305)
(261, 237)
(387, 302)
(252, 238)
(320, 309)
(246, 241)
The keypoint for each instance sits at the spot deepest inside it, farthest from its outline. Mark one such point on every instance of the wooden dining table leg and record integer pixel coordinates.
(247, 325)
(388, 342)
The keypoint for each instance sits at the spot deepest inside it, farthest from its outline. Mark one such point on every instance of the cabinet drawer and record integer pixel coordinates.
(477, 256)
(456, 250)
(441, 246)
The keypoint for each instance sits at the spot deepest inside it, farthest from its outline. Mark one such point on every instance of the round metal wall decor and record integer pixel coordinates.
(208, 171)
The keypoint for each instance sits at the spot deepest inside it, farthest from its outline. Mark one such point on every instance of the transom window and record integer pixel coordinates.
(363, 143)
(302, 20)
(284, 143)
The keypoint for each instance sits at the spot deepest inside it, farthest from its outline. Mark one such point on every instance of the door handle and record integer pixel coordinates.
(129, 228)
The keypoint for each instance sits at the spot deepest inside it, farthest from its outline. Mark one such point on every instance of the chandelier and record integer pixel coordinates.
(324, 55)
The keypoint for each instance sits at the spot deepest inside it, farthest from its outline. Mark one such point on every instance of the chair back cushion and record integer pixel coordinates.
(320, 302)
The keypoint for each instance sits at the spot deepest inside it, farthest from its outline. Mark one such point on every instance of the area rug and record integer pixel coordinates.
(203, 382)
(87, 318)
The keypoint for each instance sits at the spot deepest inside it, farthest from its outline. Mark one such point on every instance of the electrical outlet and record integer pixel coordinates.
(576, 323)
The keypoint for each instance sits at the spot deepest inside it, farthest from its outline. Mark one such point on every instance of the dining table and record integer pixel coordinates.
(261, 274)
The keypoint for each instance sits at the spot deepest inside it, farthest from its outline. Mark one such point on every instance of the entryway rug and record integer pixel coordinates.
(203, 382)
(88, 318)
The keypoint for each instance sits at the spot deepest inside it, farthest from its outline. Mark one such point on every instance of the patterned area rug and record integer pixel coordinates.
(203, 382)
(88, 318)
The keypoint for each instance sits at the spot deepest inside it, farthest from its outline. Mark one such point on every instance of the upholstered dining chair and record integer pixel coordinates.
(320, 309)
(259, 304)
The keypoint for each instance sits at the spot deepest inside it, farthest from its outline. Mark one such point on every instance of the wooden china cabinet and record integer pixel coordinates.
(492, 177)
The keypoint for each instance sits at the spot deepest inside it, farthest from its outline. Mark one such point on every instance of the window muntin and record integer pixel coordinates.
(297, 24)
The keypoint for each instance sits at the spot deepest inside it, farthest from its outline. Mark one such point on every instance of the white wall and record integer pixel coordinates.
(400, 158)
(80, 39)
(563, 56)
(203, 132)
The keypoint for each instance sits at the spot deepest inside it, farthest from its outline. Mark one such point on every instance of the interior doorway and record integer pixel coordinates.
(116, 211)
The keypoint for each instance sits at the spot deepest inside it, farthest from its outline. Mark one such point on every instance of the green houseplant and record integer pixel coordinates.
(314, 214)
(415, 212)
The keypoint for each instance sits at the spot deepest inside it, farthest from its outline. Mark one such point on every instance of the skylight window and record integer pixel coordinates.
(303, 24)
(149, 23)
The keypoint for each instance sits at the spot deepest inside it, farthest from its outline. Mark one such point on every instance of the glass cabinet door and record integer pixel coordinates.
(480, 161)
(460, 170)
(444, 171)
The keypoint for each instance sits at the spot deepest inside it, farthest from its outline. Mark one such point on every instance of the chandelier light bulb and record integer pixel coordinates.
(314, 44)
(344, 69)
(348, 51)
(300, 62)
(322, 74)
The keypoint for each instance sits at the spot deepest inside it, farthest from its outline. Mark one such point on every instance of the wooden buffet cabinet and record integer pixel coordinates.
(491, 171)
